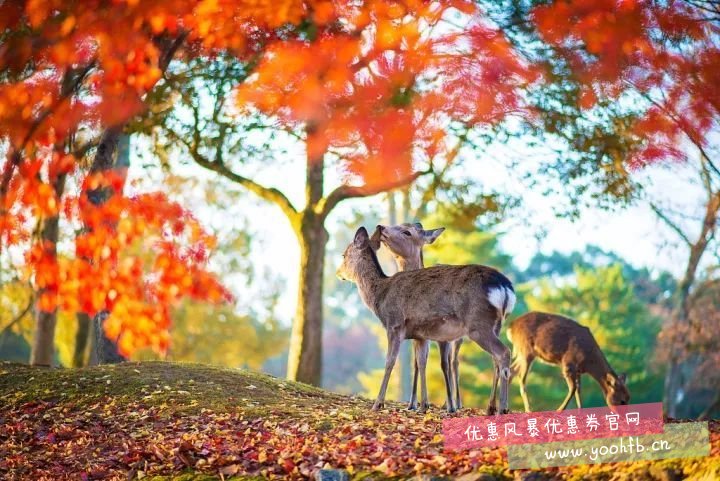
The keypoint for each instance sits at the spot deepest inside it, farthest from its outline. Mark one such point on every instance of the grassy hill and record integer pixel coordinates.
(160, 421)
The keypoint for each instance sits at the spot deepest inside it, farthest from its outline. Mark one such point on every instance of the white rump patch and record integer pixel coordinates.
(510, 303)
(497, 296)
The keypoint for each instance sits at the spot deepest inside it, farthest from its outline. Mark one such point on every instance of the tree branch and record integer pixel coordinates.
(674, 116)
(327, 204)
(438, 178)
(269, 194)
(670, 224)
(67, 88)
(18, 318)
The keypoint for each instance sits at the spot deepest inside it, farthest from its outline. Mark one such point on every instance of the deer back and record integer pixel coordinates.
(552, 338)
(443, 293)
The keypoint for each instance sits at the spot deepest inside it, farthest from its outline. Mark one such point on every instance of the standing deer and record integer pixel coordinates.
(439, 303)
(558, 340)
(405, 242)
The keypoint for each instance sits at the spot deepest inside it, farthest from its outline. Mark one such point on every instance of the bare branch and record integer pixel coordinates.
(674, 116)
(269, 194)
(438, 177)
(661, 215)
(327, 204)
(18, 318)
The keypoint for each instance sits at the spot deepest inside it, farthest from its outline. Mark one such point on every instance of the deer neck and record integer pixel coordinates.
(370, 277)
(409, 263)
(599, 368)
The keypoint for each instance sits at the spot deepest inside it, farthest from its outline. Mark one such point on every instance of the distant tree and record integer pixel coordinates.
(698, 352)
(656, 289)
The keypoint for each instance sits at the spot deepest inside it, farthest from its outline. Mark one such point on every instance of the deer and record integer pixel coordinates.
(561, 341)
(438, 303)
(405, 242)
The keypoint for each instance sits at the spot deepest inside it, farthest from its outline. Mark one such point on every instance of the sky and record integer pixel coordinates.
(634, 233)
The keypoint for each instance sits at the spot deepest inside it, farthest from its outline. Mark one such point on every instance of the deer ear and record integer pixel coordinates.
(432, 234)
(622, 378)
(361, 237)
(418, 225)
(375, 238)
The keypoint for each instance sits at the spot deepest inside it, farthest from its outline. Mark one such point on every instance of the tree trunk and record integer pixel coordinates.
(714, 404)
(43, 348)
(674, 379)
(104, 350)
(305, 356)
(82, 336)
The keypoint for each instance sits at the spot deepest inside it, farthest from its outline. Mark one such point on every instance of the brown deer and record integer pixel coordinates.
(405, 242)
(439, 303)
(558, 340)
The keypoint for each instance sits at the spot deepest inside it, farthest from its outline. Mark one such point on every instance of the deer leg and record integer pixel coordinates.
(524, 365)
(570, 377)
(456, 371)
(413, 395)
(394, 341)
(447, 374)
(422, 352)
(577, 391)
(501, 357)
(492, 404)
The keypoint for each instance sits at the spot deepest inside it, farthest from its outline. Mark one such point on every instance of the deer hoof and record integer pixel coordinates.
(412, 406)
(505, 411)
(451, 410)
(378, 405)
(491, 410)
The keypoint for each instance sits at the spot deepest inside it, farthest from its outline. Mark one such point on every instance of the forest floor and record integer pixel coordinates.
(162, 421)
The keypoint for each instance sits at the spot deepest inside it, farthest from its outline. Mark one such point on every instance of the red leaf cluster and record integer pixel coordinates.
(664, 54)
(382, 89)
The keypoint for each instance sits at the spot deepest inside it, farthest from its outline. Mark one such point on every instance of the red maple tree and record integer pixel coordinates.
(73, 74)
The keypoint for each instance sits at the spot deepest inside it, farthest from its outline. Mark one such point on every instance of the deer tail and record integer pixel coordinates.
(503, 299)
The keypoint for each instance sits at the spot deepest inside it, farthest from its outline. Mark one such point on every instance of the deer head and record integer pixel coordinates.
(617, 392)
(362, 247)
(406, 241)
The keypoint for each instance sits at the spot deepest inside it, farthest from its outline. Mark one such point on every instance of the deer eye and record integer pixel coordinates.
(407, 233)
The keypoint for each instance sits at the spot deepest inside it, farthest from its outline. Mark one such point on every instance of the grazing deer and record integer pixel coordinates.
(562, 341)
(405, 242)
(439, 303)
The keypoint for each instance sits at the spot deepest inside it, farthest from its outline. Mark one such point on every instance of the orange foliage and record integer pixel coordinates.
(384, 86)
(89, 64)
(665, 52)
